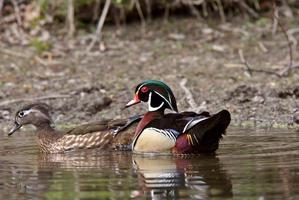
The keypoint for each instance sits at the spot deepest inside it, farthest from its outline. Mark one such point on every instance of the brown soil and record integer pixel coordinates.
(100, 83)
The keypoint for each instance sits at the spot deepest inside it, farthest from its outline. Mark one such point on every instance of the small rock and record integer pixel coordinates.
(296, 92)
(207, 31)
(258, 99)
(218, 48)
(176, 36)
(296, 117)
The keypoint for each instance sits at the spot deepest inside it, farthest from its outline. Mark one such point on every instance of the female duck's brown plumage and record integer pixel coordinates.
(179, 133)
(101, 134)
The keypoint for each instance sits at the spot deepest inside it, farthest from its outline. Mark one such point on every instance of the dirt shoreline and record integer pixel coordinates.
(98, 85)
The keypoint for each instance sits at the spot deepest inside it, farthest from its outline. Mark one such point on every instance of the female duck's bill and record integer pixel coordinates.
(16, 127)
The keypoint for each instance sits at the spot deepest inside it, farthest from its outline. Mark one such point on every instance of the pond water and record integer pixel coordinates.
(250, 164)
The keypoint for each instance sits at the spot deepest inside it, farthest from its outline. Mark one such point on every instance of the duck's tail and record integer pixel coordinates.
(202, 135)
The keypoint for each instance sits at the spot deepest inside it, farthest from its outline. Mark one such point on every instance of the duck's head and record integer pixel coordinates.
(36, 114)
(156, 93)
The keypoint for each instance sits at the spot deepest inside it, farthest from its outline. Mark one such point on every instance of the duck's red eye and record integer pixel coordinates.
(144, 89)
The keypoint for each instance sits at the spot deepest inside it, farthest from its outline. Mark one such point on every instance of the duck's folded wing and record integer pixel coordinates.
(202, 134)
(117, 126)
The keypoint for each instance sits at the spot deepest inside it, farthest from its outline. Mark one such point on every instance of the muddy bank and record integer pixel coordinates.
(84, 87)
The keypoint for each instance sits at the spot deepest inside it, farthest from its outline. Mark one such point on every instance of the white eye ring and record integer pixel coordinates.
(21, 114)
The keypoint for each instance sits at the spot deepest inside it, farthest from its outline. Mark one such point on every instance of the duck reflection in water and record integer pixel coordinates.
(159, 177)
(196, 177)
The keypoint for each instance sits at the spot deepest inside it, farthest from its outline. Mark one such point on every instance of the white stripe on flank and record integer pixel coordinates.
(193, 122)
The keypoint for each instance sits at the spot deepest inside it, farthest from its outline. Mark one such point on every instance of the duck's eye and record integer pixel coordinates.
(21, 114)
(144, 89)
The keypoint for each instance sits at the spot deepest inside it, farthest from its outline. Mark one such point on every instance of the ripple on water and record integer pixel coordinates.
(249, 164)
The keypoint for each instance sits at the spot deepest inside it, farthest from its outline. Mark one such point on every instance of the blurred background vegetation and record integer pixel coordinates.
(80, 14)
(32, 22)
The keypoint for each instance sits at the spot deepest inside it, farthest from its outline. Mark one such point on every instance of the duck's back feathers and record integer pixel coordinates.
(117, 134)
(202, 134)
(176, 121)
(117, 125)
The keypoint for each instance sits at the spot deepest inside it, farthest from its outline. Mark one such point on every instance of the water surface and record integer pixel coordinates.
(250, 164)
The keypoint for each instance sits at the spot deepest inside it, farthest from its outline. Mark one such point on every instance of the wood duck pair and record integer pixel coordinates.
(178, 133)
(103, 134)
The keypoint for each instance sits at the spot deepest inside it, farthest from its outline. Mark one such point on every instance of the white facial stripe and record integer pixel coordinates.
(165, 99)
(150, 108)
(26, 112)
(140, 87)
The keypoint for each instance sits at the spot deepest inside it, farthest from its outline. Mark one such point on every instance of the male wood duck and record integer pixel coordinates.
(177, 133)
(101, 134)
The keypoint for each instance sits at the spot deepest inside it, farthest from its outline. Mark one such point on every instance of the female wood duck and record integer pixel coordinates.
(100, 134)
(179, 133)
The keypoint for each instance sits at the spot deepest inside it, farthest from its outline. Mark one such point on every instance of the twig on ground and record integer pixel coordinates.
(221, 11)
(275, 21)
(292, 42)
(193, 9)
(291, 33)
(244, 61)
(148, 4)
(263, 47)
(17, 12)
(1, 6)
(140, 13)
(249, 9)
(287, 69)
(57, 96)
(250, 70)
(166, 12)
(96, 9)
(98, 34)
(193, 105)
(14, 53)
(70, 18)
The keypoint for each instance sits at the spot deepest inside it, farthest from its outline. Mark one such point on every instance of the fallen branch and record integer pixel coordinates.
(58, 96)
(1, 6)
(263, 47)
(140, 13)
(148, 6)
(287, 69)
(98, 33)
(193, 9)
(248, 9)
(292, 43)
(275, 21)
(244, 62)
(14, 53)
(17, 12)
(291, 33)
(193, 105)
(70, 18)
(250, 70)
(221, 11)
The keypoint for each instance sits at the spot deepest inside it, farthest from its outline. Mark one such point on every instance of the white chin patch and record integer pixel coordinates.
(150, 108)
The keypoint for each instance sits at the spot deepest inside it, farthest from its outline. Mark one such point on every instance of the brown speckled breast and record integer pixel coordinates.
(75, 142)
